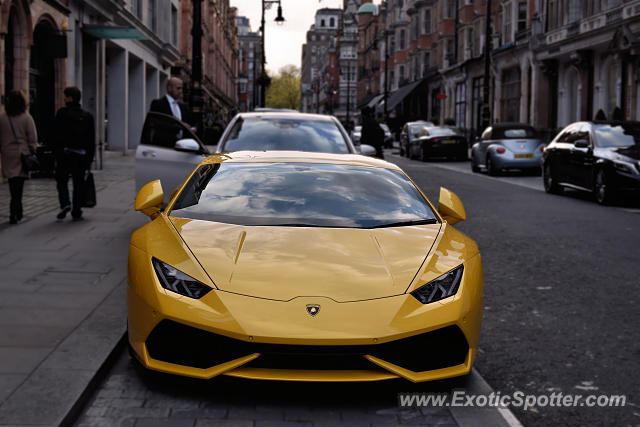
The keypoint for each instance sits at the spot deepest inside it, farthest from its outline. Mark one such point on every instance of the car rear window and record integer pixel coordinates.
(270, 133)
(623, 135)
(302, 194)
(516, 133)
(440, 131)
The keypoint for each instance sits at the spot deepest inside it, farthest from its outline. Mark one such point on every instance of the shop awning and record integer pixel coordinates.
(399, 95)
(111, 32)
(375, 100)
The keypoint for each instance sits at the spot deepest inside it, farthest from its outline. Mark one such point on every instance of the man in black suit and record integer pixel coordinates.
(170, 103)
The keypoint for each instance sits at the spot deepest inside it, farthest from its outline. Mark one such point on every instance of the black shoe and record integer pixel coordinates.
(63, 212)
(78, 218)
(13, 220)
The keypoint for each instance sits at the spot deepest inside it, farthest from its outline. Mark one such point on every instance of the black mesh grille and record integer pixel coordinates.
(183, 345)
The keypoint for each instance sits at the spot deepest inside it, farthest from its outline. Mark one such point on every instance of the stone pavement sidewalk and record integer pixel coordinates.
(62, 290)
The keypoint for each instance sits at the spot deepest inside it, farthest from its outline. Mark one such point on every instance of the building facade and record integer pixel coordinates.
(317, 84)
(552, 62)
(249, 63)
(219, 58)
(118, 53)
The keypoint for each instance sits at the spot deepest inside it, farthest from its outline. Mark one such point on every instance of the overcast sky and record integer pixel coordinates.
(283, 43)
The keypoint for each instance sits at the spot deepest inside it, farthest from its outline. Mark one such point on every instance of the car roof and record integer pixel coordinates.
(282, 156)
(286, 115)
(503, 125)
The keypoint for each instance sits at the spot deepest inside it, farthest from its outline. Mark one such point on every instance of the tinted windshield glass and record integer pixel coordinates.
(272, 133)
(625, 135)
(301, 194)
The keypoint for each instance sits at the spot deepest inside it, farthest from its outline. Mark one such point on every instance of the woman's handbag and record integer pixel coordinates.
(30, 162)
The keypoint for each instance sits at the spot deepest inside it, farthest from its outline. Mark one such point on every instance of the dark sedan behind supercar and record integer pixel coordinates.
(439, 141)
(411, 131)
(507, 146)
(600, 157)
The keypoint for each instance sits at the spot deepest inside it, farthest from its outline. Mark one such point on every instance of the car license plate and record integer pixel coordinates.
(524, 156)
(449, 141)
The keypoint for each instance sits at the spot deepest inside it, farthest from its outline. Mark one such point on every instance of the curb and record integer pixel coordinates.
(85, 397)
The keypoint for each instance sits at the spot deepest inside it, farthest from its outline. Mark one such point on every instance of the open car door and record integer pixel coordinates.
(168, 151)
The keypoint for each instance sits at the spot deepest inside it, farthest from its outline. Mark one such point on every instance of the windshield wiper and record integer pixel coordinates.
(408, 223)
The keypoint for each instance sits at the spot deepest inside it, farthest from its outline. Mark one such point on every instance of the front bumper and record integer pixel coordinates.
(236, 335)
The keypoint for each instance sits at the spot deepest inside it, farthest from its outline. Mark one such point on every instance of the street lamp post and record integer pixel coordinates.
(348, 119)
(264, 79)
(196, 99)
(486, 112)
(386, 66)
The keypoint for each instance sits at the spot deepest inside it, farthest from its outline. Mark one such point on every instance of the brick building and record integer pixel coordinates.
(219, 57)
(552, 62)
(249, 63)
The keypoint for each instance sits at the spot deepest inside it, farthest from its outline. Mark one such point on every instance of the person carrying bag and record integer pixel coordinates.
(18, 138)
(74, 147)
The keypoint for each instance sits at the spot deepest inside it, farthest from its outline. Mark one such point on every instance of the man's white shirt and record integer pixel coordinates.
(175, 108)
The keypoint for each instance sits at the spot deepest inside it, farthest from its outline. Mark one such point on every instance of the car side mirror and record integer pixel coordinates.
(450, 207)
(149, 199)
(581, 143)
(187, 144)
(367, 150)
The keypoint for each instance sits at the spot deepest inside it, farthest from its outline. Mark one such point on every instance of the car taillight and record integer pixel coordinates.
(542, 148)
(500, 150)
(435, 140)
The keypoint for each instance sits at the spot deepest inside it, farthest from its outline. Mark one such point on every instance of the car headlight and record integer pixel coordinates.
(625, 167)
(176, 281)
(440, 288)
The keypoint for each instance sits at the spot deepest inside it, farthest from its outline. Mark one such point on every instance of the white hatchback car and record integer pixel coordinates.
(169, 149)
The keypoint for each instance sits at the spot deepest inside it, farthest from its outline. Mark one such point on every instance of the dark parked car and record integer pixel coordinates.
(600, 157)
(507, 146)
(439, 141)
(410, 131)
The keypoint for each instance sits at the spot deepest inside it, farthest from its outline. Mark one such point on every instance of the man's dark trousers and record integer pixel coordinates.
(73, 164)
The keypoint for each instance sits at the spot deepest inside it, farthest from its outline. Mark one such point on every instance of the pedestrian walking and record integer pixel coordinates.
(18, 136)
(73, 140)
(171, 103)
(372, 133)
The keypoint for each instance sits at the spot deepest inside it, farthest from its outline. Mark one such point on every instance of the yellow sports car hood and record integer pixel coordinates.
(282, 263)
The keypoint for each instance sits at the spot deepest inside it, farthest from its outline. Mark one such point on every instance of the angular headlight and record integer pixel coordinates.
(176, 281)
(440, 288)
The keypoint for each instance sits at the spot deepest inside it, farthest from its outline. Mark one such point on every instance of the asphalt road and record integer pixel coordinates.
(561, 296)
(562, 278)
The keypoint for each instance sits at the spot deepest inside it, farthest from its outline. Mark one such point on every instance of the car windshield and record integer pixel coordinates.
(302, 194)
(278, 133)
(624, 135)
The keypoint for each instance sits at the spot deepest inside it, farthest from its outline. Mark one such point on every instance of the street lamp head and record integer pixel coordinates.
(279, 18)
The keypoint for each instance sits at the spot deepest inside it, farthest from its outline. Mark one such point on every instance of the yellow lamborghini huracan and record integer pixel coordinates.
(303, 267)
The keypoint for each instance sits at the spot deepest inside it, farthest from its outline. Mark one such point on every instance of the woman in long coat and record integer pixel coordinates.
(17, 137)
